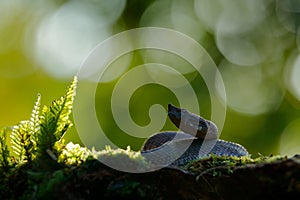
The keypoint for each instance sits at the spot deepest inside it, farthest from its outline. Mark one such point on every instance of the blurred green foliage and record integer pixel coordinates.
(255, 46)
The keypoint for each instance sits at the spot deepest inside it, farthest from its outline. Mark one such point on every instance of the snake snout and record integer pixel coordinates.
(173, 112)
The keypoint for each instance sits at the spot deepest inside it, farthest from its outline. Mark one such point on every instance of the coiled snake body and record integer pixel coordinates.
(198, 139)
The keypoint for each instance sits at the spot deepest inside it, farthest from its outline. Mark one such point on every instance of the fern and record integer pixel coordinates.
(35, 120)
(21, 141)
(34, 137)
(54, 120)
(24, 135)
(4, 152)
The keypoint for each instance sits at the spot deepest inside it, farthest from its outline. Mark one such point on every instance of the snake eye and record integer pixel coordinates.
(202, 126)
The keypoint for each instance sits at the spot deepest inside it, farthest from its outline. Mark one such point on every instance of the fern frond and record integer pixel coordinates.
(47, 130)
(54, 121)
(4, 152)
(35, 124)
(66, 105)
(35, 116)
(21, 141)
(24, 136)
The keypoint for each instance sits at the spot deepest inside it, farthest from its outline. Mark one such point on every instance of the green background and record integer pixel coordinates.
(254, 44)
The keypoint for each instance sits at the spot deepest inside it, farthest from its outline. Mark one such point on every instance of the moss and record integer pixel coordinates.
(126, 159)
(223, 165)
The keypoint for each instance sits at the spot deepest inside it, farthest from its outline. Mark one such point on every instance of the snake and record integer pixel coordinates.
(197, 138)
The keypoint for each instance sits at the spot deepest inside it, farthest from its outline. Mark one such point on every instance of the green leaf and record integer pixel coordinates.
(54, 120)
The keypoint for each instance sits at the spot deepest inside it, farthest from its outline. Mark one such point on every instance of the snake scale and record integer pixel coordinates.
(199, 138)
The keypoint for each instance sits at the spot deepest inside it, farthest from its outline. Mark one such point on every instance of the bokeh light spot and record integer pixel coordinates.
(231, 17)
(239, 50)
(292, 74)
(289, 141)
(178, 15)
(65, 37)
(247, 91)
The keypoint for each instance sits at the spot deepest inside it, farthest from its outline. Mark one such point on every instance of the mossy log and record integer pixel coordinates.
(211, 178)
(278, 179)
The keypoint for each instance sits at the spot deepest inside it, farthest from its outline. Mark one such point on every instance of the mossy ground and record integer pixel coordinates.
(223, 165)
(72, 177)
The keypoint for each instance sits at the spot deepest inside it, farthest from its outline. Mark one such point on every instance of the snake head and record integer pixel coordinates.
(192, 124)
